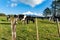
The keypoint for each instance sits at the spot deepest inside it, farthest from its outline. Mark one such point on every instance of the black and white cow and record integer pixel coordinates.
(26, 18)
(30, 18)
(8, 17)
(55, 17)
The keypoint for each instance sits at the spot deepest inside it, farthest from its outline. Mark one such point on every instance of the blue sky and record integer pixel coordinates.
(22, 6)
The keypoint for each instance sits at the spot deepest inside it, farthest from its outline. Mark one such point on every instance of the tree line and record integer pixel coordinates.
(2, 14)
(54, 10)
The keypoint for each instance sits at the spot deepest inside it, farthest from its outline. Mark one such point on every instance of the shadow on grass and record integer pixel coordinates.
(3, 38)
(3, 20)
(6, 23)
(48, 22)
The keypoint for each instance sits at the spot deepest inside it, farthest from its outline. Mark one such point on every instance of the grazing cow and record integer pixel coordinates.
(20, 17)
(8, 17)
(26, 18)
(15, 16)
(30, 18)
(55, 17)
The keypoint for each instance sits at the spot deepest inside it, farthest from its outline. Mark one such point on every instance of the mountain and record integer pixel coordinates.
(33, 14)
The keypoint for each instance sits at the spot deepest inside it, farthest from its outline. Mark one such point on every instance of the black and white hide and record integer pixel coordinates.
(26, 19)
(8, 17)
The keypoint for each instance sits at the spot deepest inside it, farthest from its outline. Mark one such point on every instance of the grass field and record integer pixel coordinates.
(47, 30)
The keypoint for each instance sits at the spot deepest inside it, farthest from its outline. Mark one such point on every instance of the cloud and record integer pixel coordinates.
(14, 4)
(28, 13)
(31, 3)
(31, 13)
(39, 14)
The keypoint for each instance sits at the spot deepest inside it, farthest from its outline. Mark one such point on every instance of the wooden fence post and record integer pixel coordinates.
(13, 28)
(58, 28)
(37, 30)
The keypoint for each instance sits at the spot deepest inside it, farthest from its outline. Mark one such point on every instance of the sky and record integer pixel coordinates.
(24, 6)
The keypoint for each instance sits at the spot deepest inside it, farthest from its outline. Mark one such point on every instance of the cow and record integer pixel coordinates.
(55, 17)
(8, 17)
(26, 19)
(20, 17)
(30, 18)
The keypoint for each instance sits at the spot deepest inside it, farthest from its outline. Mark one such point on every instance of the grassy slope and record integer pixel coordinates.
(47, 30)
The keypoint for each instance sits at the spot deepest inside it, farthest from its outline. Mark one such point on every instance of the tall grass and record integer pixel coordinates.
(47, 30)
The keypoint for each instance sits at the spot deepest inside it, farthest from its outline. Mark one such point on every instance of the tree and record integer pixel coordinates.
(2, 14)
(47, 12)
(56, 7)
(58, 1)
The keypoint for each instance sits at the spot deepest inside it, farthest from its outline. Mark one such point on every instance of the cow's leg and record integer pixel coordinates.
(23, 21)
(33, 20)
(7, 19)
(27, 21)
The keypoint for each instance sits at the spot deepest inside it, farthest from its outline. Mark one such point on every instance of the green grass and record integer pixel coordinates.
(47, 30)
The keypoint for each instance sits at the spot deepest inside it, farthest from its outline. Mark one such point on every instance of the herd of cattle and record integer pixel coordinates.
(27, 19)
(24, 18)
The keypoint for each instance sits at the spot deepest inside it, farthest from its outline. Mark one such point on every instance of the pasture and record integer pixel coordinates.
(47, 30)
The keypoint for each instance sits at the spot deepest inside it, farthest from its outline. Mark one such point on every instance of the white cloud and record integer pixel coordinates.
(28, 13)
(32, 3)
(13, 4)
(39, 14)
(31, 13)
